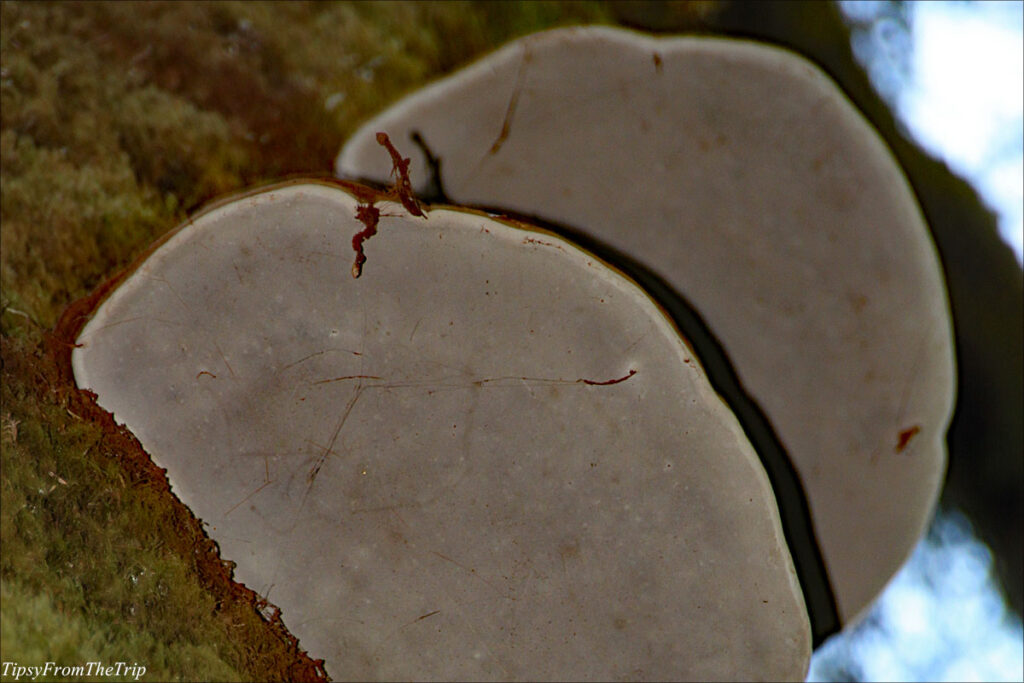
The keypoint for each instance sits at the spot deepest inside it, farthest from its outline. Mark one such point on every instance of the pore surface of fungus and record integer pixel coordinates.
(491, 456)
(743, 177)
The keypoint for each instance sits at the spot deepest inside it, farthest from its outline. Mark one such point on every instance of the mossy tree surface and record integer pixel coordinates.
(117, 120)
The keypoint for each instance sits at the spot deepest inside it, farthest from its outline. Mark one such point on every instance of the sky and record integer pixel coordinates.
(956, 81)
(954, 74)
(966, 98)
(941, 619)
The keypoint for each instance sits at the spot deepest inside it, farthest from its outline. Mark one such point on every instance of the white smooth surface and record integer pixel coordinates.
(410, 466)
(743, 176)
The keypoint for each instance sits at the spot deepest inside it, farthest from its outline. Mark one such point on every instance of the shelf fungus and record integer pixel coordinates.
(741, 177)
(491, 456)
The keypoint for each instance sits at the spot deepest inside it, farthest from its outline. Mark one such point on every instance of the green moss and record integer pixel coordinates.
(87, 573)
(365, 55)
(67, 226)
(34, 630)
(183, 152)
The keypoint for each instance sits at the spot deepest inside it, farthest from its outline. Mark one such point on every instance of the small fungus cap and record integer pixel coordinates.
(491, 456)
(741, 175)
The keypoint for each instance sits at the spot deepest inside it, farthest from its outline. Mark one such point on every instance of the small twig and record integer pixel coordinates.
(369, 215)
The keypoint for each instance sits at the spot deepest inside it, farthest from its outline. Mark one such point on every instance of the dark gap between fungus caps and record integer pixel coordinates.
(789, 491)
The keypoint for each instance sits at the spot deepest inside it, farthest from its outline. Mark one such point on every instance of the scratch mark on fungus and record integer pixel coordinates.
(329, 448)
(595, 383)
(472, 571)
(432, 385)
(905, 436)
(339, 379)
(532, 240)
(205, 372)
(429, 614)
(192, 313)
(124, 321)
(315, 354)
(510, 111)
(551, 380)
(267, 481)
(225, 359)
(250, 495)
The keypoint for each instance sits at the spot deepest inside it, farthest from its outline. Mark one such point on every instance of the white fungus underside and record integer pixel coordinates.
(407, 465)
(740, 174)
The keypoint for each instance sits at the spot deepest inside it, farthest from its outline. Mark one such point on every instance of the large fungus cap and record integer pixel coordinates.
(489, 457)
(741, 175)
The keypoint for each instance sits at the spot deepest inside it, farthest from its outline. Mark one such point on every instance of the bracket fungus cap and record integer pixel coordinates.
(742, 176)
(491, 456)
